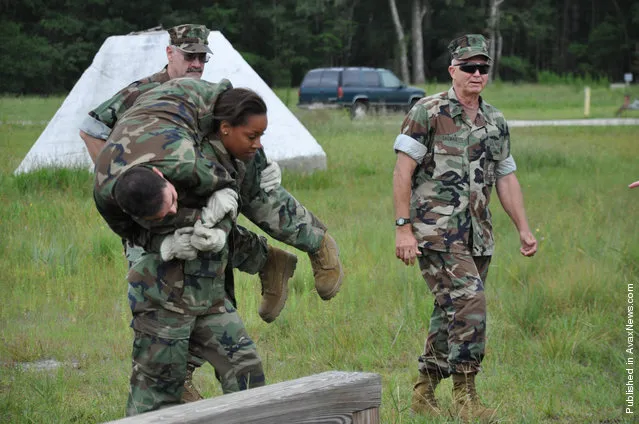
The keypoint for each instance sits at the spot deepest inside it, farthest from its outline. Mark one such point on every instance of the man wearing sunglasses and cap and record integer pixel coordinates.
(264, 201)
(187, 54)
(453, 147)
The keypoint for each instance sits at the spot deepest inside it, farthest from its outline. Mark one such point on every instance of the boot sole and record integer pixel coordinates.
(338, 284)
(289, 270)
(336, 288)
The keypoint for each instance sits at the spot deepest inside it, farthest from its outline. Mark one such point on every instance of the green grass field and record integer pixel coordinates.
(556, 333)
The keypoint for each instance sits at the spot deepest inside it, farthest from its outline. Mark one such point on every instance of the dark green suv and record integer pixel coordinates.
(358, 89)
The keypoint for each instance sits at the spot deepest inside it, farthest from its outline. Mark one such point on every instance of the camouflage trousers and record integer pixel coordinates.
(249, 255)
(160, 359)
(249, 250)
(457, 332)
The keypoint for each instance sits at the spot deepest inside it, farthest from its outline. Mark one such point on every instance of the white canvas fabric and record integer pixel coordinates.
(126, 58)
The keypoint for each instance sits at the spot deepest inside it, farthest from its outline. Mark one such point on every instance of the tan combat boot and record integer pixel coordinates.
(424, 401)
(190, 393)
(327, 268)
(466, 401)
(274, 276)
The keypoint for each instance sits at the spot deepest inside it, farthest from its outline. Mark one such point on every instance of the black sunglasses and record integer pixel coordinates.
(472, 68)
(190, 57)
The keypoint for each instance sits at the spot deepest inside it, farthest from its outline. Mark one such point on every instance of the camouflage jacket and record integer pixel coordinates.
(452, 184)
(102, 119)
(258, 207)
(166, 129)
(278, 213)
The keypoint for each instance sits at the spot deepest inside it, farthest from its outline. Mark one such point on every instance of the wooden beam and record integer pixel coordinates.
(367, 416)
(329, 397)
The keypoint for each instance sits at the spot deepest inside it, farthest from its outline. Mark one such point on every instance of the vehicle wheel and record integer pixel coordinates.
(359, 110)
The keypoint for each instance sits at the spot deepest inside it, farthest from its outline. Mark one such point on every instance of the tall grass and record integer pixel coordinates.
(555, 334)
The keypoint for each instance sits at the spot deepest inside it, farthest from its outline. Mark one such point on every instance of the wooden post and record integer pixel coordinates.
(329, 397)
(587, 102)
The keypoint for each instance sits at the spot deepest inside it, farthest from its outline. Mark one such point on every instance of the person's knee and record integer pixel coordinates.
(245, 372)
(476, 302)
(247, 365)
(251, 378)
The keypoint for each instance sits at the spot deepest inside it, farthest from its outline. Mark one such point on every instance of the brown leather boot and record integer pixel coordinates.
(466, 401)
(424, 401)
(190, 393)
(327, 268)
(274, 276)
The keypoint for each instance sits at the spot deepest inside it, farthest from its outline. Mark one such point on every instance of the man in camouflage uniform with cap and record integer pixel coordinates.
(271, 207)
(178, 305)
(452, 148)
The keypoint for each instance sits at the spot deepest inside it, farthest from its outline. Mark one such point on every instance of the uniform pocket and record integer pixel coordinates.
(496, 149)
(431, 217)
(204, 283)
(448, 167)
(445, 210)
(153, 280)
(430, 204)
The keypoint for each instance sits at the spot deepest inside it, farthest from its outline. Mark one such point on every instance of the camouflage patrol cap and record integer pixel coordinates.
(190, 38)
(469, 45)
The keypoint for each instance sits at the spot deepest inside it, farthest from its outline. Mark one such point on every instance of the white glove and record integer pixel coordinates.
(219, 204)
(207, 239)
(271, 176)
(178, 245)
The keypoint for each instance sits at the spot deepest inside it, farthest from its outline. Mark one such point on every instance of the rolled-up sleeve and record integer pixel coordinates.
(505, 167)
(410, 146)
(95, 128)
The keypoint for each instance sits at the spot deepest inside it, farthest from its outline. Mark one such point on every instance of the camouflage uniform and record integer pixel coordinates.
(278, 213)
(177, 305)
(458, 162)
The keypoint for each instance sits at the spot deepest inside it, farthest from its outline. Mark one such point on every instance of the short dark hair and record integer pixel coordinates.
(235, 106)
(139, 192)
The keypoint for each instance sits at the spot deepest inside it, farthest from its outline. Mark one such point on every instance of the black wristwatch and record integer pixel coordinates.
(401, 221)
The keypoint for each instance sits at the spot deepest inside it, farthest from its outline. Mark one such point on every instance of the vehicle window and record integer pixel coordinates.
(350, 78)
(312, 79)
(371, 78)
(330, 79)
(389, 80)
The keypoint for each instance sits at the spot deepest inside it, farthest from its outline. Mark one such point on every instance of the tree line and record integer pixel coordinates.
(46, 45)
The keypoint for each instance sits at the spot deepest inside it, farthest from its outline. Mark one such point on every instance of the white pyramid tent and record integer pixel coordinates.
(127, 58)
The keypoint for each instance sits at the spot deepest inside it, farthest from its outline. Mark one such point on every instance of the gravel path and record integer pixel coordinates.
(573, 122)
